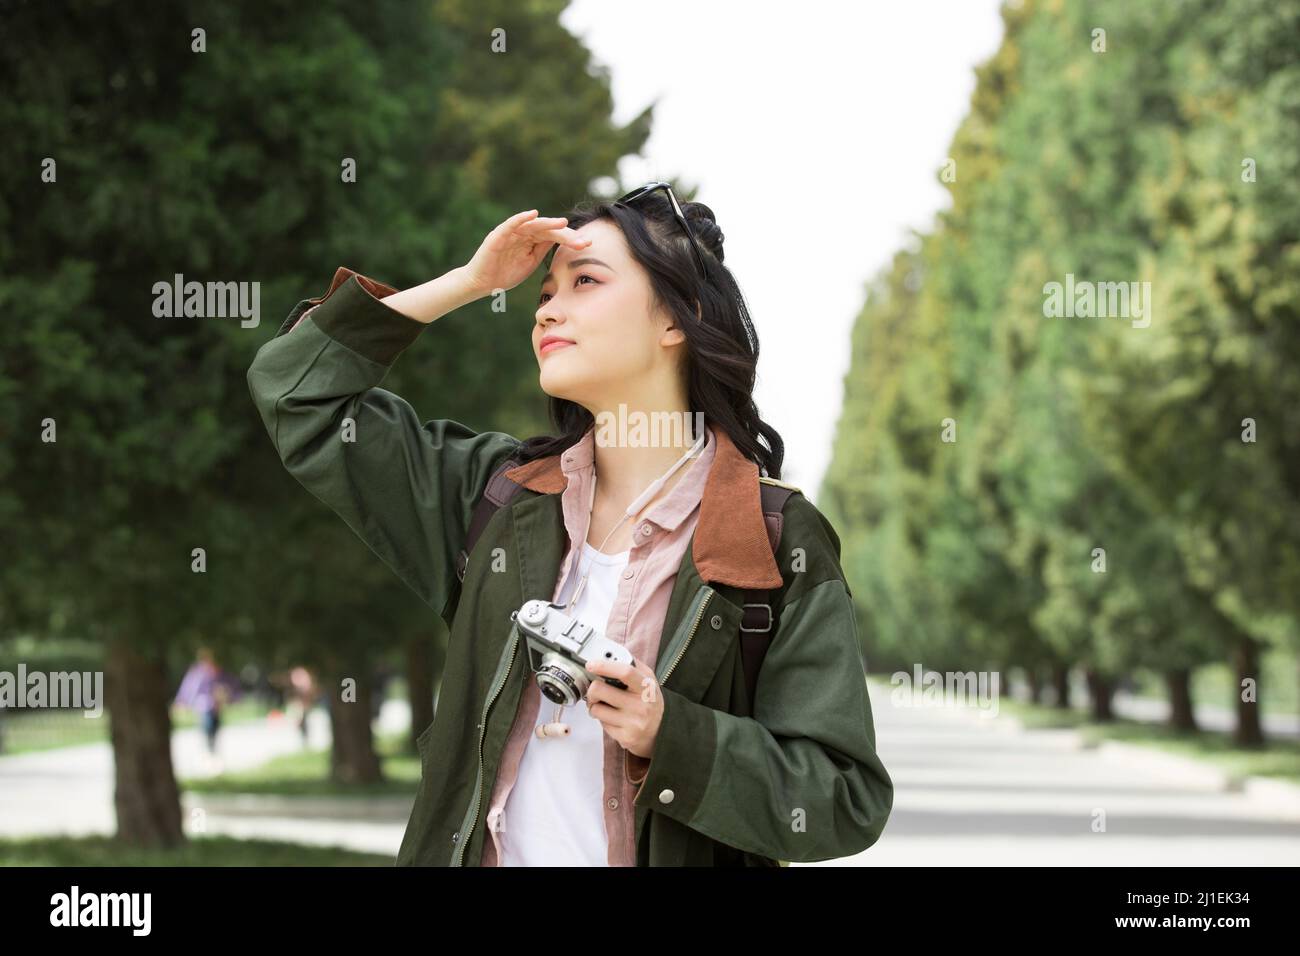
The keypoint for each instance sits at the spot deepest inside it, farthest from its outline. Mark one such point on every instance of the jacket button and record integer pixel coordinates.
(628, 573)
(716, 621)
(645, 530)
(612, 803)
(666, 796)
(455, 836)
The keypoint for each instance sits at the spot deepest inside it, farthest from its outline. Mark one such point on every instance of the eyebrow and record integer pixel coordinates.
(574, 263)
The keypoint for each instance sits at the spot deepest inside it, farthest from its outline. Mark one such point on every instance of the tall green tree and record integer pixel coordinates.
(1095, 505)
(215, 141)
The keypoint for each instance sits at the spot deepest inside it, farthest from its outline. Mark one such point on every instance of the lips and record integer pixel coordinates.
(550, 343)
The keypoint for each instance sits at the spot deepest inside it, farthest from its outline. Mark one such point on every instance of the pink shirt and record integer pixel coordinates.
(659, 541)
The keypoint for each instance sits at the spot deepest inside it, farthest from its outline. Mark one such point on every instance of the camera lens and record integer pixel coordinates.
(560, 681)
(552, 691)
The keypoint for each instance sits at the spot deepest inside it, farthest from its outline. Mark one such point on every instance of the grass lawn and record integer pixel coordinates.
(197, 851)
(306, 774)
(1278, 758)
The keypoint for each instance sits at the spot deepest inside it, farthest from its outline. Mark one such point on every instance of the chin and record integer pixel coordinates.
(571, 385)
(557, 384)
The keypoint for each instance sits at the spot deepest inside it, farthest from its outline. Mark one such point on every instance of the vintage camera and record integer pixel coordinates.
(559, 648)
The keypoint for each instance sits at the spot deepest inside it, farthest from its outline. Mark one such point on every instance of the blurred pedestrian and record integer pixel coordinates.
(305, 694)
(206, 689)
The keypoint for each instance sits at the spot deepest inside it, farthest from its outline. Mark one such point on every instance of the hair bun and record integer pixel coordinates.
(705, 227)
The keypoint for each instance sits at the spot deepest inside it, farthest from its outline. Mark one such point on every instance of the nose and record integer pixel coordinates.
(546, 314)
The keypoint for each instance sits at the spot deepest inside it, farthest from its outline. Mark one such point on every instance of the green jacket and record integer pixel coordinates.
(794, 776)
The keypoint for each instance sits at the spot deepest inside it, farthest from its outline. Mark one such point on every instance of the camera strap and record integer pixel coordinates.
(632, 510)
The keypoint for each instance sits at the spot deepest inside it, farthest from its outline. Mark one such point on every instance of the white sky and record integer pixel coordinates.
(815, 132)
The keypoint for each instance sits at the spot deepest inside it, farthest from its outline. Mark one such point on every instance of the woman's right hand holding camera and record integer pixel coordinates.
(509, 254)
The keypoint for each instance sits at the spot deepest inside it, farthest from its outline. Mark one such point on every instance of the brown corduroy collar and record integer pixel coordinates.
(731, 544)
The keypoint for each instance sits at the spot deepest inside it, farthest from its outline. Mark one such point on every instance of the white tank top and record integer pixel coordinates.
(555, 814)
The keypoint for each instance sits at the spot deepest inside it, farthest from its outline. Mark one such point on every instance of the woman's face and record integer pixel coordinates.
(599, 299)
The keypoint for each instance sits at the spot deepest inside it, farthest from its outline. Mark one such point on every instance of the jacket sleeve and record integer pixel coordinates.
(798, 781)
(407, 489)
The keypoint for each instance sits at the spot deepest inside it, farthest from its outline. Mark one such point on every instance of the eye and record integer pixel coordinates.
(541, 299)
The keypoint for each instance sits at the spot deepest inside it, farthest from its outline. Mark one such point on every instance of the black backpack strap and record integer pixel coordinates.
(498, 492)
(758, 622)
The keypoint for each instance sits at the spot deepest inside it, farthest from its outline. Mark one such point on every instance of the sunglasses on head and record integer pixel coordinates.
(642, 191)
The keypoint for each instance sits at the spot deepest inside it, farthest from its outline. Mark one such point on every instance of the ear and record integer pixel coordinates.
(678, 336)
(673, 336)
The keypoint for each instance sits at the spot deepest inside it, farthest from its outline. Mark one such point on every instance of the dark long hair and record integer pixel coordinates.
(721, 344)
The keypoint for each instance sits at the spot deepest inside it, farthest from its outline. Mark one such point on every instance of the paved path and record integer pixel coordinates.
(981, 791)
(968, 790)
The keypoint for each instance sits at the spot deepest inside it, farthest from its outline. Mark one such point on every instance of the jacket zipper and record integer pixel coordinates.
(482, 732)
(699, 616)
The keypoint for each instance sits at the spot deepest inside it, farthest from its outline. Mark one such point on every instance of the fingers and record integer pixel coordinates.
(552, 228)
(611, 718)
(514, 222)
(571, 238)
(600, 692)
(627, 673)
(542, 222)
(638, 678)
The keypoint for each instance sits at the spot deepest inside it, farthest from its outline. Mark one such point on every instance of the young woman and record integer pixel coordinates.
(656, 537)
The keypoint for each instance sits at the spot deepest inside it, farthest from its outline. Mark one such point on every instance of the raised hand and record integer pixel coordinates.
(514, 249)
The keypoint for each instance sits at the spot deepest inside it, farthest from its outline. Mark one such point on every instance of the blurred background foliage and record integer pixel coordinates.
(1173, 157)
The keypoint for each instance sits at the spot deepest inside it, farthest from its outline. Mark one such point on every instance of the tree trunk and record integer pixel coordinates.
(419, 682)
(145, 796)
(1100, 691)
(1061, 684)
(352, 748)
(1035, 680)
(1249, 731)
(1182, 715)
